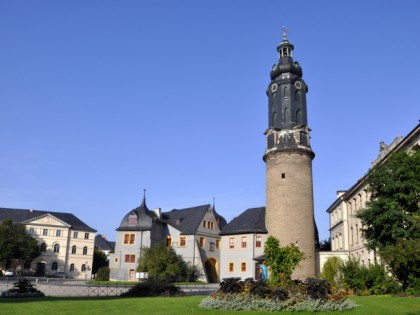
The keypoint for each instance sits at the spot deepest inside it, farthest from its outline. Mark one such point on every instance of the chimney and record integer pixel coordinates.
(158, 212)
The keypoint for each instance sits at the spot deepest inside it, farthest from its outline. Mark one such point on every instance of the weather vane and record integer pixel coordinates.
(285, 31)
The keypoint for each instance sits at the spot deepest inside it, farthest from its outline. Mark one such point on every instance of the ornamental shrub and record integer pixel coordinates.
(239, 302)
(153, 288)
(331, 271)
(231, 285)
(317, 288)
(282, 261)
(103, 274)
(367, 280)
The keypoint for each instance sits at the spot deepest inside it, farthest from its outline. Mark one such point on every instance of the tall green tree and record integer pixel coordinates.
(162, 264)
(391, 219)
(99, 260)
(281, 261)
(16, 245)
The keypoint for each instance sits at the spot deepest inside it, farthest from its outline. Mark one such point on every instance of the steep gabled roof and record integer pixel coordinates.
(24, 215)
(103, 244)
(250, 221)
(188, 220)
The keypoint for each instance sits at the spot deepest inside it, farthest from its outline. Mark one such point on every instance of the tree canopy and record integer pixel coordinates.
(393, 210)
(16, 245)
(391, 219)
(163, 264)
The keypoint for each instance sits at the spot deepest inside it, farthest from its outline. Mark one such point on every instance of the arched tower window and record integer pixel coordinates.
(85, 250)
(299, 116)
(83, 267)
(43, 247)
(285, 115)
(73, 249)
(72, 267)
(285, 93)
(298, 97)
(273, 122)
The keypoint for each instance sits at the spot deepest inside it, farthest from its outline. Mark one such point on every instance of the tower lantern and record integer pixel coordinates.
(288, 157)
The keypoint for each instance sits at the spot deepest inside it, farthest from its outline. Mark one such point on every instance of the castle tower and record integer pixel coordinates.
(288, 157)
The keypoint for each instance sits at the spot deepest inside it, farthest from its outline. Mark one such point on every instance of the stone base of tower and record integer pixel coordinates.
(289, 204)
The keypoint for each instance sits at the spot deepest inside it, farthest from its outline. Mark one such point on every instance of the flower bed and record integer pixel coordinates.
(313, 295)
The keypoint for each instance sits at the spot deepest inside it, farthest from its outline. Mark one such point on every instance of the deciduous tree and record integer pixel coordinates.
(163, 264)
(281, 261)
(99, 260)
(391, 219)
(16, 245)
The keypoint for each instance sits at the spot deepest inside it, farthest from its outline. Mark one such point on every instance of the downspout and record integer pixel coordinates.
(253, 253)
(194, 251)
(141, 242)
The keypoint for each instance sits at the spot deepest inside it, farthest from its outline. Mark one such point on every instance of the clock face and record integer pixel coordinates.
(274, 87)
(298, 85)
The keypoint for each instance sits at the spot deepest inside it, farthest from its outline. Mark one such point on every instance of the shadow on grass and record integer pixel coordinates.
(14, 300)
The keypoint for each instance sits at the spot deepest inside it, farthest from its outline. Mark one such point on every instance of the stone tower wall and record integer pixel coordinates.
(289, 203)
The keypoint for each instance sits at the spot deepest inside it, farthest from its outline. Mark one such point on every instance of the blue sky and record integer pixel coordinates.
(101, 99)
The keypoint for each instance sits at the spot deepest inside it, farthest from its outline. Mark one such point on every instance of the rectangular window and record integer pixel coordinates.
(208, 224)
(231, 267)
(212, 225)
(129, 239)
(58, 233)
(204, 224)
(212, 247)
(202, 242)
(31, 231)
(231, 242)
(45, 232)
(218, 244)
(75, 234)
(243, 242)
(357, 234)
(182, 241)
(116, 260)
(131, 273)
(258, 241)
(168, 241)
(243, 267)
(130, 258)
(86, 236)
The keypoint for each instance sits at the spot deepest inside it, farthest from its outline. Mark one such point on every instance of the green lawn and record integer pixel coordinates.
(179, 305)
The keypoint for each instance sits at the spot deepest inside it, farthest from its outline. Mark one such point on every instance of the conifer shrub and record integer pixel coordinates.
(22, 288)
(331, 271)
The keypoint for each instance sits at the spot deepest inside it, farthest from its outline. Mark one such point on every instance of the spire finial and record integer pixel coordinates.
(144, 194)
(285, 31)
(214, 203)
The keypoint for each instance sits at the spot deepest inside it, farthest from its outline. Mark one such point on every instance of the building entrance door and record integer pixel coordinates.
(40, 269)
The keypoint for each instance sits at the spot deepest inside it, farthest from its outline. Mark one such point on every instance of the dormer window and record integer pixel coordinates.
(178, 222)
(132, 219)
